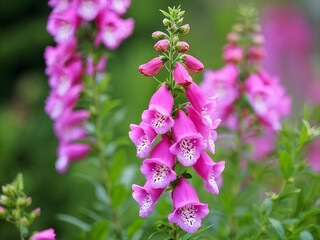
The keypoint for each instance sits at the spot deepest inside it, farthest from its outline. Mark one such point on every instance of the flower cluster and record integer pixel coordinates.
(245, 90)
(186, 130)
(66, 66)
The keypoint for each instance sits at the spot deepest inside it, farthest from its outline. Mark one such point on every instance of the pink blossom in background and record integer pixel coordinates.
(232, 53)
(314, 155)
(188, 211)
(44, 235)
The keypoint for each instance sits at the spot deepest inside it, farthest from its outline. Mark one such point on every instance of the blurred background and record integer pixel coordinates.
(27, 142)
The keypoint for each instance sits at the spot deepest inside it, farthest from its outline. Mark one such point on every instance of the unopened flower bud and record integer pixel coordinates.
(4, 200)
(291, 180)
(238, 28)
(232, 53)
(28, 201)
(158, 35)
(162, 46)
(24, 221)
(255, 28)
(35, 213)
(184, 29)
(16, 214)
(258, 39)
(151, 68)
(180, 21)
(181, 76)
(2, 212)
(233, 37)
(256, 53)
(182, 47)
(8, 190)
(173, 28)
(166, 22)
(21, 202)
(193, 65)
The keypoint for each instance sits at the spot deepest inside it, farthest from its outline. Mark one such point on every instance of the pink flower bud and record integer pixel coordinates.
(258, 39)
(181, 75)
(232, 53)
(158, 35)
(151, 68)
(36, 213)
(162, 46)
(184, 29)
(101, 65)
(2, 212)
(232, 37)
(44, 235)
(182, 47)
(193, 65)
(256, 53)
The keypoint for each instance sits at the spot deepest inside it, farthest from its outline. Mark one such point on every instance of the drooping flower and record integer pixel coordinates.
(162, 46)
(63, 25)
(118, 6)
(181, 75)
(151, 68)
(142, 136)
(188, 142)
(44, 235)
(158, 168)
(256, 53)
(112, 30)
(68, 152)
(146, 196)
(158, 115)
(193, 65)
(182, 47)
(232, 53)
(209, 171)
(89, 9)
(188, 211)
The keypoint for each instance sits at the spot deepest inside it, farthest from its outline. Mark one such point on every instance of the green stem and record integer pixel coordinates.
(103, 166)
(21, 233)
(175, 232)
(171, 52)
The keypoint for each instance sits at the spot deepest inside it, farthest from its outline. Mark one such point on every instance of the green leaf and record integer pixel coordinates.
(99, 231)
(304, 132)
(309, 214)
(186, 175)
(285, 163)
(305, 235)
(74, 221)
(117, 164)
(118, 195)
(165, 13)
(18, 182)
(201, 230)
(266, 207)
(134, 227)
(278, 227)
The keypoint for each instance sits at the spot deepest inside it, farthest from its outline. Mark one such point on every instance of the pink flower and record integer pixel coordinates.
(181, 76)
(162, 46)
(89, 9)
(44, 235)
(67, 126)
(101, 65)
(63, 78)
(56, 105)
(158, 115)
(146, 196)
(158, 35)
(63, 25)
(59, 55)
(232, 53)
(112, 30)
(188, 211)
(118, 6)
(182, 47)
(151, 68)
(193, 65)
(222, 83)
(184, 29)
(256, 53)
(188, 142)
(204, 105)
(209, 171)
(262, 145)
(142, 136)
(232, 37)
(68, 152)
(59, 5)
(158, 168)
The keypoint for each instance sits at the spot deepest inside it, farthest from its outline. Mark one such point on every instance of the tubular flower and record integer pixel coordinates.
(209, 171)
(158, 115)
(162, 46)
(158, 168)
(44, 235)
(89, 9)
(142, 136)
(232, 54)
(193, 65)
(188, 211)
(151, 68)
(182, 47)
(181, 75)
(188, 142)
(146, 196)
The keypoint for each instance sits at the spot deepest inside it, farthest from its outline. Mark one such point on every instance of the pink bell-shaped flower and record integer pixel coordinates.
(188, 211)
(188, 142)
(89, 9)
(44, 235)
(151, 68)
(158, 115)
(158, 168)
(162, 46)
(142, 136)
(181, 75)
(209, 171)
(193, 65)
(232, 53)
(118, 6)
(146, 196)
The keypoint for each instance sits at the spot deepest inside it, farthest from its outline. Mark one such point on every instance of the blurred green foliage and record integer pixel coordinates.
(27, 143)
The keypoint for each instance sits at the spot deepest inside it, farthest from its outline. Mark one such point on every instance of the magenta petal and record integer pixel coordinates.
(181, 75)
(151, 68)
(184, 194)
(193, 65)
(44, 235)
(162, 101)
(142, 136)
(202, 128)
(146, 196)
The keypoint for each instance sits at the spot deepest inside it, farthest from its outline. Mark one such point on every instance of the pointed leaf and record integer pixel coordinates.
(278, 227)
(74, 221)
